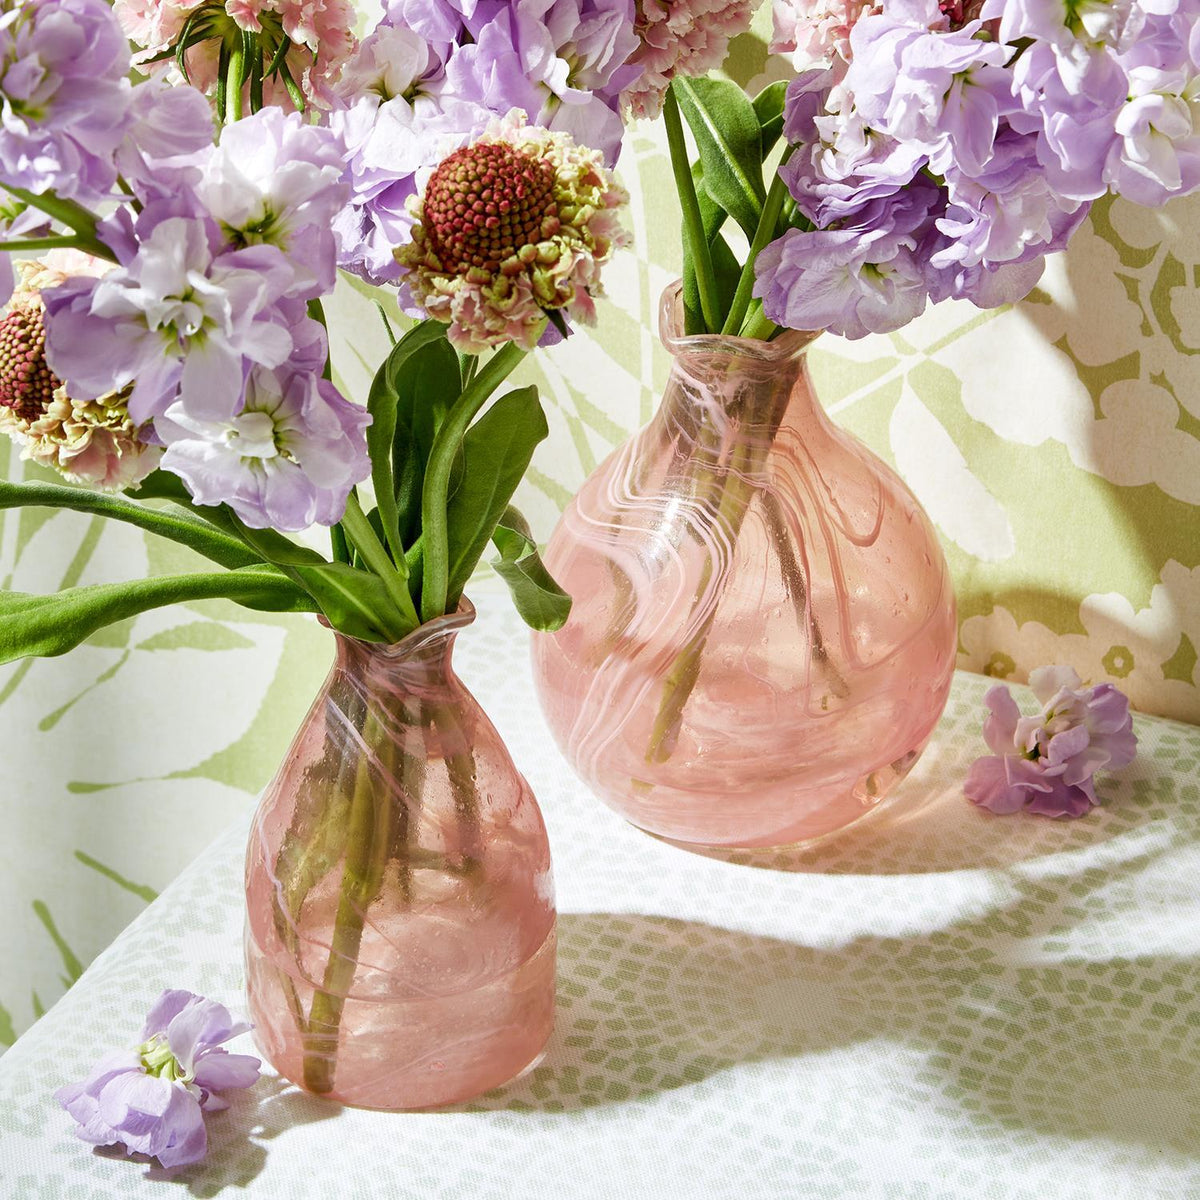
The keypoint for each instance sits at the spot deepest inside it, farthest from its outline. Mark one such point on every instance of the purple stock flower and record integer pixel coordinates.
(862, 277)
(393, 61)
(152, 1099)
(286, 461)
(276, 180)
(64, 97)
(170, 128)
(562, 62)
(1045, 763)
(942, 90)
(1156, 152)
(1006, 211)
(841, 163)
(442, 23)
(185, 317)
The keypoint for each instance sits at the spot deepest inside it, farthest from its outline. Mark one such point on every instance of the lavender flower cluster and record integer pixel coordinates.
(200, 338)
(960, 143)
(204, 319)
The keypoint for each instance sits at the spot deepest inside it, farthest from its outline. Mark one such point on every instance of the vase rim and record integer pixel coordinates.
(435, 630)
(790, 344)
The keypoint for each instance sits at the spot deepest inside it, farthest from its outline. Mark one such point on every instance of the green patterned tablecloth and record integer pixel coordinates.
(945, 1004)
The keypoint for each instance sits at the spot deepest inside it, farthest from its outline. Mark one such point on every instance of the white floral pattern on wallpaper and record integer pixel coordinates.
(1055, 444)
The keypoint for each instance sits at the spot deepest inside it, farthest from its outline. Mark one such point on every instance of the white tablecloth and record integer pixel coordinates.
(942, 1004)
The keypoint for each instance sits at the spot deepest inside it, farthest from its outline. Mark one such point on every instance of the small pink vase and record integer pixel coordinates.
(400, 924)
(763, 632)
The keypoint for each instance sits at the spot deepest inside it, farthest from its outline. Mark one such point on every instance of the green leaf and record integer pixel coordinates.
(197, 635)
(425, 392)
(711, 213)
(496, 451)
(729, 140)
(53, 624)
(179, 527)
(355, 602)
(768, 108)
(381, 403)
(726, 272)
(543, 605)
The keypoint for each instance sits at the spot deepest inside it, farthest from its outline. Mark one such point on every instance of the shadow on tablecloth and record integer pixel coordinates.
(971, 1018)
(651, 1004)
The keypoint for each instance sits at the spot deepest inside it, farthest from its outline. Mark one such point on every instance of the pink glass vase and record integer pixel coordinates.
(763, 631)
(400, 924)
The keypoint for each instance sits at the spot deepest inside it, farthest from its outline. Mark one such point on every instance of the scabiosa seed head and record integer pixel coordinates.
(27, 384)
(485, 202)
(510, 229)
(93, 442)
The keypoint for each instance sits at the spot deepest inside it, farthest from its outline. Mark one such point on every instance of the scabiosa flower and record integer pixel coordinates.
(1045, 763)
(286, 461)
(64, 97)
(510, 229)
(680, 37)
(93, 442)
(152, 1099)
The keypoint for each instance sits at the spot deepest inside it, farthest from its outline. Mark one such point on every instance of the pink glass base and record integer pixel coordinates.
(420, 1053)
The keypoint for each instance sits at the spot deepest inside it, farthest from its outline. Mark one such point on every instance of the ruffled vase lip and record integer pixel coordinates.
(789, 345)
(422, 639)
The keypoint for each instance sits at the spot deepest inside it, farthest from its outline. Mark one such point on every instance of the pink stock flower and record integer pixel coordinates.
(321, 33)
(1045, 763)
(511, 228)
(679, 37)
(817, 31)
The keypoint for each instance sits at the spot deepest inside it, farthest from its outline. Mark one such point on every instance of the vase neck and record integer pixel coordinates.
(419, 664)
(728, 384)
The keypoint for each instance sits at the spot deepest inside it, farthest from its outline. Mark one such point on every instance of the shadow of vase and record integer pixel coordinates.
(652, 1004)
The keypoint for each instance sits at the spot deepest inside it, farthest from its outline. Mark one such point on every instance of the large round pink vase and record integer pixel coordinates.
(400, 926)
(763, 631)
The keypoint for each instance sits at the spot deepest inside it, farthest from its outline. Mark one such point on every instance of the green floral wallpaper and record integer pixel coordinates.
(1056, 445)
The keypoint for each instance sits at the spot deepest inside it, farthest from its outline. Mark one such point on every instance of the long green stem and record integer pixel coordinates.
(368, 839)
(368, 545)
(759, 326)
(797, 586)
(736, 494)
(460, 768)
(695, 243)
(762, 235)
(46, 243)
(72, 215)
(435, 583)
(234, 81)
